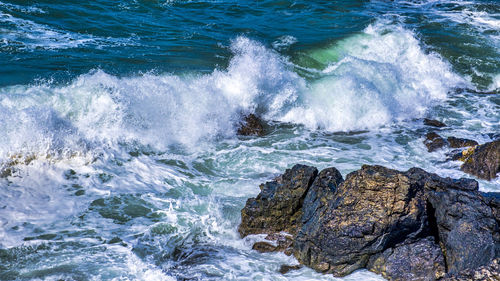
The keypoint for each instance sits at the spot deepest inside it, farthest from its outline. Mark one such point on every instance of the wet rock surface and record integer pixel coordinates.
(284, 269)
(422, 260)
(409, 225)
(433, 141)
(490, 272)
(278, 207)
(372, 210)
(459, 142)
(434, 123)
(484, 161)
(466, 225)
(251, 126)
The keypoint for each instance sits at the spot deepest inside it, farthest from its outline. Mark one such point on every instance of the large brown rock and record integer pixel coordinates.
(484, 162)
(375, 208)
(278, 207)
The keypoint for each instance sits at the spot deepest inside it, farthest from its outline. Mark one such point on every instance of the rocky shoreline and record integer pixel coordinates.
(410, 225)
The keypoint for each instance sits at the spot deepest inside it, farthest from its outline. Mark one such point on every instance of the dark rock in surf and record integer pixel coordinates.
(251, 126)
(434, 142)
(278, 207)
(484, 161)
(264, 247)
(409, 225)
(284, 269)
(459, 142)
(478, 92)
(374, 209)
(434, 123)
(282, 243)
(422, 260)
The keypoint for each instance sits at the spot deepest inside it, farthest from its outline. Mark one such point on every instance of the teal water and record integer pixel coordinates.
(119, 158)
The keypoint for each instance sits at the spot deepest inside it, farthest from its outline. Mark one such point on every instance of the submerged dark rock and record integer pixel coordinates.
(409, 225)
(251, 126)
(434, 123)
(433, 141)
(484, 161)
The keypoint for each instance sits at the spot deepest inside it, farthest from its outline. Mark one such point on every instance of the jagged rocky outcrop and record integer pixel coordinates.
(484, 161)
(409, 225)
(278, 207)
(251, 126)
(373, 209)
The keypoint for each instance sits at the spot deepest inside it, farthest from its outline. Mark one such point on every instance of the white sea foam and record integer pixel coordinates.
(284, 42)
(25, 9)
(157, 110)
(375, 78)
(25, 34)
(378, 77)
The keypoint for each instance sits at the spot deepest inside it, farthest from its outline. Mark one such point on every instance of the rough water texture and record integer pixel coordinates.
(119, 149)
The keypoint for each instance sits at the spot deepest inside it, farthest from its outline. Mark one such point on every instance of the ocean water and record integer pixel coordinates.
(119, 158)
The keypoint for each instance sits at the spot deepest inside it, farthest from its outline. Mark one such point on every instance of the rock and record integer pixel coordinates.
(409, 225)
(493, 200)
(490, 272)
(264, 247)
(278, 206)
(434, 123)
(284, 269)
(458, 142)
(467, 229)
(251, 126)
(321, 192)
(422, 260)
(434, 141)
(284, 242)
(375, 208)
(463, 155)
(478, 92)
(484, 161)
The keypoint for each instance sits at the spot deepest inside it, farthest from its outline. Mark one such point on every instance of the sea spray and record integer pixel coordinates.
(372, 79)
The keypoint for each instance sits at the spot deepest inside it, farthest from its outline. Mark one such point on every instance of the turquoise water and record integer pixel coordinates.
(119, 158)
